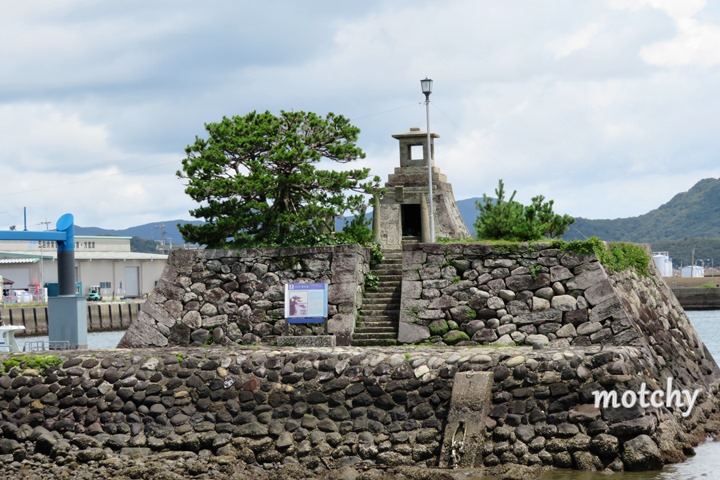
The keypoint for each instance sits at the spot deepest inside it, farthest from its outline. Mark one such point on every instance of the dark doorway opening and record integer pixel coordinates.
(410, 217)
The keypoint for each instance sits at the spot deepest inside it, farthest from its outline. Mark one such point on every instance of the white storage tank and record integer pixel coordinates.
(663, 262)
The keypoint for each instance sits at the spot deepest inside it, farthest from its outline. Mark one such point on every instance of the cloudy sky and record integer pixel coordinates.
(609, 107)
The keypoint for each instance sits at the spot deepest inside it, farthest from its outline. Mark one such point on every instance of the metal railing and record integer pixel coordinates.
(39, 345)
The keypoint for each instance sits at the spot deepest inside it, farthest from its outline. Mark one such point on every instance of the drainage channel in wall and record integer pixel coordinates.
(464, 432)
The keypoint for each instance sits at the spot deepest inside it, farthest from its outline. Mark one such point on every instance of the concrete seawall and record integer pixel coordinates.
(101, 317)
(696, 298)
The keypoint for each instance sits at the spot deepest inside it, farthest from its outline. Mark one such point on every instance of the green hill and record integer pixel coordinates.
(690, 220)
(691, 214)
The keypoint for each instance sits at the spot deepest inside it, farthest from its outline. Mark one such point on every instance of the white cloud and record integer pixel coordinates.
(695, 42)
(676, 9)
(564, 46)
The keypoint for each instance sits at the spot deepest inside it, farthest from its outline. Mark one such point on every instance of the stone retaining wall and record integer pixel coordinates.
(479, 294)
(332, 408)
(470, 294)
(237, 296)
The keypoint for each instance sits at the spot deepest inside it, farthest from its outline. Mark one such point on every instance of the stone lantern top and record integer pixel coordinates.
(412, 147)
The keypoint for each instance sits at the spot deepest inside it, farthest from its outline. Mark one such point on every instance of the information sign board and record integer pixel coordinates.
(306, 303)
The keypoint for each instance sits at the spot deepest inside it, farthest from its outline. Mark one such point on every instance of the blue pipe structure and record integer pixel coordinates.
(67, 313)
(64, 235)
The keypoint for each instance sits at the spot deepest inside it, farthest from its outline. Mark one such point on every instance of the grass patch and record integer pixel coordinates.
(38, 362)
(616, 257)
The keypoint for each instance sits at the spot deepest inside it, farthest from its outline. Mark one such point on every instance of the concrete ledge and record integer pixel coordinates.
(306, 341)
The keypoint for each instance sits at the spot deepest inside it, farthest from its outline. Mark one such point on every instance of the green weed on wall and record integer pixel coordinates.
(615, 257)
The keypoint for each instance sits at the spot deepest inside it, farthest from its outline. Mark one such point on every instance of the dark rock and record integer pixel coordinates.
(641, 453)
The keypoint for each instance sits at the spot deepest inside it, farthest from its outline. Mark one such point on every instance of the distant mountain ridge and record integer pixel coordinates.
(689, 221)
(691, 214)
(148, 231)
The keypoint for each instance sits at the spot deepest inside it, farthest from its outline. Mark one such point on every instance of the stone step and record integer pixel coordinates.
(388, 296)
(385, 293)
(374, 336)
(380, 310)
(374, 343)
(376, 327)
(372, 318)
(382, 297)
(388, 289)
(392, 311)
(392, 308)
(385, 306)
(388, 269)
(380, 330)
(389, 277)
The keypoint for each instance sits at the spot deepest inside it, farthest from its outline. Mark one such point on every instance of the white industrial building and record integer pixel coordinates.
(102, 261)
(692, 271)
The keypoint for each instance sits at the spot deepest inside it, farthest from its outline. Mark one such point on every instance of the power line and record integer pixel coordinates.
(383, 112)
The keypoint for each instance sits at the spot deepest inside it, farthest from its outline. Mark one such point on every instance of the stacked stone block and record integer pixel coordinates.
(237, 296)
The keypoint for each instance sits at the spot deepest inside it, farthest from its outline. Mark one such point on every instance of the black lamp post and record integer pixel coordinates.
(426, 85)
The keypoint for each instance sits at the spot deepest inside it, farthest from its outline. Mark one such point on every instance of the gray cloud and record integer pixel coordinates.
(598, 104)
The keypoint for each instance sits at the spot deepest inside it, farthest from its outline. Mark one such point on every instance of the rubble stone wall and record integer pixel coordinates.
(238, 296)
(333, 408)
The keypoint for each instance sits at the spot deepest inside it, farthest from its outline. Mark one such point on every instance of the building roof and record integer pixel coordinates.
(6, 261)
(25, 257)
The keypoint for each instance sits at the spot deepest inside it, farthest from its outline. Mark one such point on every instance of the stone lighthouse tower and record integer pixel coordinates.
(403, 210)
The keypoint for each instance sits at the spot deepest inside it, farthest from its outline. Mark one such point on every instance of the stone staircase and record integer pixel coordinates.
(378, 318)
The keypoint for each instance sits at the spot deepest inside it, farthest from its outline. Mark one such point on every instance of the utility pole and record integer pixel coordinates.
(692, 264)
(161, 247)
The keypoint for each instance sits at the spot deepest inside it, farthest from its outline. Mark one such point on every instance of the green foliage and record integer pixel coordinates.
(584, 247)
(371, 281)
(37, 362)
(376, 254)
(257, 184)
(534, 270)
(508, 219)
(623, 256)
(616, 257)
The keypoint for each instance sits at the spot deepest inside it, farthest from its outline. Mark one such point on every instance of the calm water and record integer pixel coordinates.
(704, 465)
(96, 340)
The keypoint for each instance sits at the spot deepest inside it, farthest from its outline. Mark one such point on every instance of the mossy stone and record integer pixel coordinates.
(438, 327)
(454, 336)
